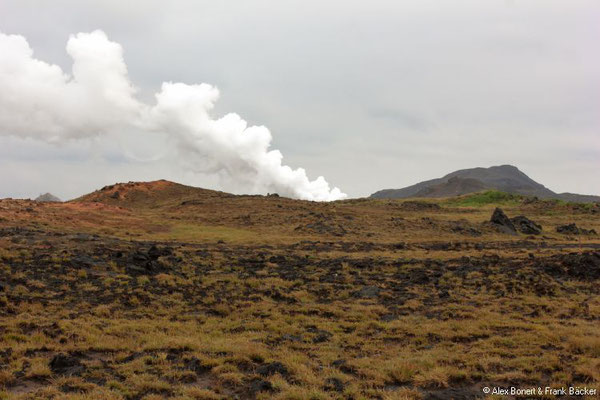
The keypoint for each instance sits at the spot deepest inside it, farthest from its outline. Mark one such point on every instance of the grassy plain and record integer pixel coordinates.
(157, 290)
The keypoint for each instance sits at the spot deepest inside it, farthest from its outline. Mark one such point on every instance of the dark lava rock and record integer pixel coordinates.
(131, 357)
(585, 266)
(27, 327)
(141, 262)
(53, 330)
(280, 297)
(338, 363)
(334, 385)
(343, 366)
(84, 237)
(291, 338)
(272, 369)
(260, 385)
(413, 205)
(5, 355)
(502, 222)
(135, 270)
(438, 246)
(569, 229)
(389, 317)
(81, 260)
(420, 277)
(194, 364)
(526, 226)
(155, 252)
(323, 228)
(572, 229)
(464, 228)
(21, 373)
(322, 336)
(367, 292)
(277, 259)
(65, 364)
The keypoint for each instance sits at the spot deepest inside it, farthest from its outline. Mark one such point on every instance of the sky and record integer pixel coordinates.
(369, 95)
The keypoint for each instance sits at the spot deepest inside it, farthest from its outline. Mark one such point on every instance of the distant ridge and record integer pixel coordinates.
(506, 178)
(48, 197)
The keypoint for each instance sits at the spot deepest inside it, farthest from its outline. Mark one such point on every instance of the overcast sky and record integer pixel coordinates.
(371, 95)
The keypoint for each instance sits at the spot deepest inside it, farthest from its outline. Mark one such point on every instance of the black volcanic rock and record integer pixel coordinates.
(65, 364)
(572, 229)
(419, 206)
(334, 385)
(502, 222)
(367, 292)
(272, 368)
(526, 226)
(505, 178)
(585, 266)
(260, 385)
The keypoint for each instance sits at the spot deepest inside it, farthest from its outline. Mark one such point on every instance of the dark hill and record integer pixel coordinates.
(506, 178)
(48, 197)
(455, 186)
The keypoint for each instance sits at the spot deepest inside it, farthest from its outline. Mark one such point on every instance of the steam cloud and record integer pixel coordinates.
(40, 101)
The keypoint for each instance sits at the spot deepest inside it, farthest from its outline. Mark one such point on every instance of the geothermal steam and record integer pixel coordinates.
(40, 101)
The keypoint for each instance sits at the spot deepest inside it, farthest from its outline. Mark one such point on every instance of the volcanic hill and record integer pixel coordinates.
(505, 178)
(49, 197)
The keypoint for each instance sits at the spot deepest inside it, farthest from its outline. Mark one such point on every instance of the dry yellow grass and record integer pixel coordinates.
(170, 292)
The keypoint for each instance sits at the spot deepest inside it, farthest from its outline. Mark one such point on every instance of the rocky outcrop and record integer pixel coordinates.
(573, 229)
(526, 226)
(502, 222)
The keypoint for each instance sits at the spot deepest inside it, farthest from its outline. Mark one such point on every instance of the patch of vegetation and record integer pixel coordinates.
(479, 199)
(199, 232)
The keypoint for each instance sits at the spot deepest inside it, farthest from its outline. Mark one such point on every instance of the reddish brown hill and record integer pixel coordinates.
(149, 194)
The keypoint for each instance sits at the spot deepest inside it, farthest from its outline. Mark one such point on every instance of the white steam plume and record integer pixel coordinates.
(40, 101)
